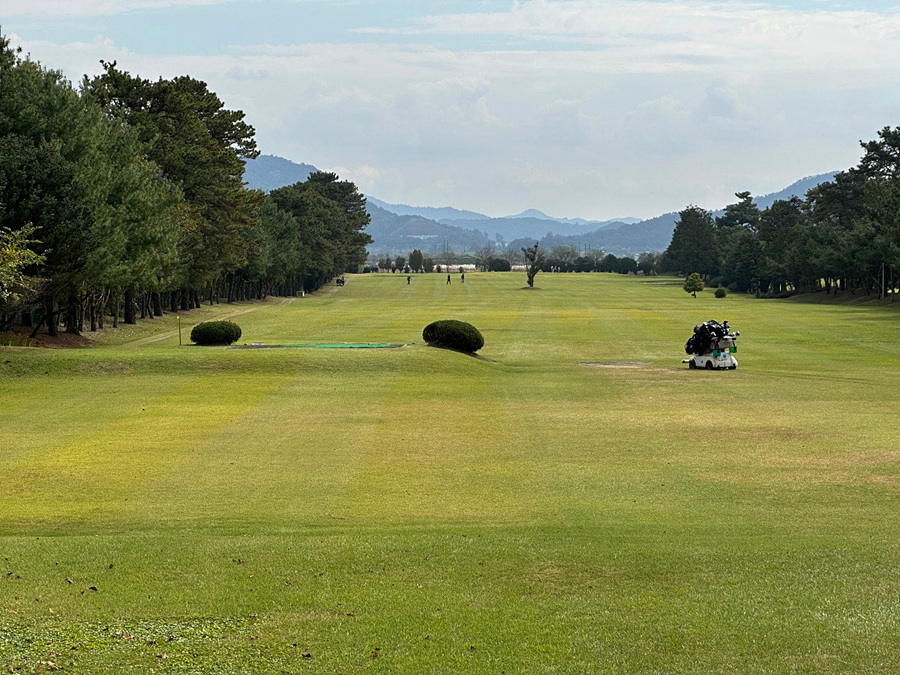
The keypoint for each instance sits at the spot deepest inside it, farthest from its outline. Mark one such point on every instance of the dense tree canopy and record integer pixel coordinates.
(694, 246)
(314, 230)
(127, 191)
(16, 254)
(845, 234)
(99, 208)
(199, 146)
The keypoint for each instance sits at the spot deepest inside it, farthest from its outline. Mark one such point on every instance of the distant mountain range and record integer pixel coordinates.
(430, 212)
(529, 223)
(394, 233)
(399, 228)
(268, 172)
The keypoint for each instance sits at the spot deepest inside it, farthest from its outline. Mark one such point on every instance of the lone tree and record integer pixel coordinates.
(416, 260)
(693, 284)
(694, 245)
(534, 260)
(483, 256)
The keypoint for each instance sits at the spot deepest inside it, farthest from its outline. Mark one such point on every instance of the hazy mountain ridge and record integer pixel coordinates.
(431, 212)
(268, 172)
(394, 233)
(654, 234)
(797, 189)
(511, 227)
(401, 228)
(540, 215)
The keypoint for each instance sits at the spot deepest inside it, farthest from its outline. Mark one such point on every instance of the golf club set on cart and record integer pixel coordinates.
(712, 346)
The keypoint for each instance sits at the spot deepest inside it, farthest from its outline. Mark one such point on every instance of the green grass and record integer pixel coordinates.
(416, 510)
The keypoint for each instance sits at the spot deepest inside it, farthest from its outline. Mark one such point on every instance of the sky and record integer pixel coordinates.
(580, 108)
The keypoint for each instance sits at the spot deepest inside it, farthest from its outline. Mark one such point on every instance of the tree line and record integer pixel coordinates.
(843, 236)
(124, 197)
(488, 258)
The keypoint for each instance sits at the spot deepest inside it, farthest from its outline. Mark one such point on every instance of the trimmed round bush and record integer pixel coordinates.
(452, 334)
(721, 292)
(215, 333)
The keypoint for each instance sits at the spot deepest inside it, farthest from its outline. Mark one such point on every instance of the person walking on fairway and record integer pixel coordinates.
(462, 278)
(408, 279)
(448, 280)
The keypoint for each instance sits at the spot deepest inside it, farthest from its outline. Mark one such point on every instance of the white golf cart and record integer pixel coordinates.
(712, 346)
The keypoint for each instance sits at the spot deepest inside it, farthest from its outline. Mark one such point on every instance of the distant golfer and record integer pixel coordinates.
(448, 279)
(408, 279)
(462, 278)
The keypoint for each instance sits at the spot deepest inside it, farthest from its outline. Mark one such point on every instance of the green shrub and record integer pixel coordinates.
(451, 334)
(215, 333)
(721, 292)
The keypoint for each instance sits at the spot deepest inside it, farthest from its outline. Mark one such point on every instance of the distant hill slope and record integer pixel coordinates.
(512, 228)
(400, 228)
(798, 189)
(430, 212)
(522, 224)
(394, 233)
(654, 234)
(540, 215)
(268, 172)
(620, 239)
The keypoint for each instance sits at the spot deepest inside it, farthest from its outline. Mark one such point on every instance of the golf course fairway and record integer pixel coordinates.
(575, 500)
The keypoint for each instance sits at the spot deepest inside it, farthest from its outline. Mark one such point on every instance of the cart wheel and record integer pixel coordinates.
(709, 365)
(692, 364)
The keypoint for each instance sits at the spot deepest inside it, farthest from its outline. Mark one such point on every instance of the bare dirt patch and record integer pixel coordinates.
(19, 336)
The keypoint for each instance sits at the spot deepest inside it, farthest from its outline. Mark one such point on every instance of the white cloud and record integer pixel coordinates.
(638, 35)
(603, 109)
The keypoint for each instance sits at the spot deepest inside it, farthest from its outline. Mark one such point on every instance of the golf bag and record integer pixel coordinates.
(701, 341)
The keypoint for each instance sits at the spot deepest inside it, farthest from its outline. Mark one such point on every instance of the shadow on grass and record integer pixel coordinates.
(472, 354)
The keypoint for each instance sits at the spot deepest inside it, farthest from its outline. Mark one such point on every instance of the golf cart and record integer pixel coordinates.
(712, 347)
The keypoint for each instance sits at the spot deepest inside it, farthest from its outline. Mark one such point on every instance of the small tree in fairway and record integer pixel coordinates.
(534, 259)
(416, 260)
(693, 284)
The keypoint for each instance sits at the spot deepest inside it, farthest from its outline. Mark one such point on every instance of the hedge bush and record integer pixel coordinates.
(215, 333)
(453, 334)
(721, 292)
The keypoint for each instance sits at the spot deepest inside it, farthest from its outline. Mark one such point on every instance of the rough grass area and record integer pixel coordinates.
(183, 510)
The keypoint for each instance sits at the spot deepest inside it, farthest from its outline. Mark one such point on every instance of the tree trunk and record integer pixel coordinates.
(184, 299)
(156, 301)
(117, 301)
(52, 323)
(37, 327)
(130, 316)
(82, 310)
(72, 315)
